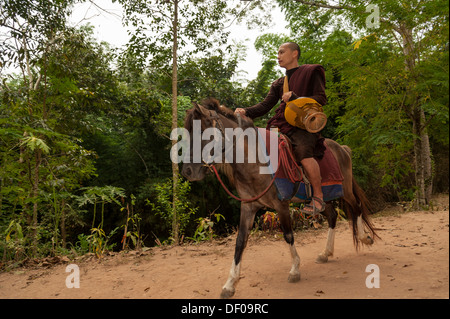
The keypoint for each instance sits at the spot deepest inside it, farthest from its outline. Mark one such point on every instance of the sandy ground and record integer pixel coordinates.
(412, 258)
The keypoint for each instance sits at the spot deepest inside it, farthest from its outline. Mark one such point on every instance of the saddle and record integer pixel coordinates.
(290, 180)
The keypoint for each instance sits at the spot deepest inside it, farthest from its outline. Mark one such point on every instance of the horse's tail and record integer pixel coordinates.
(362, 208)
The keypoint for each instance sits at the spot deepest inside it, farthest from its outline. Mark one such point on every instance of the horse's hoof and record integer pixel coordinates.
(226, 294)
(367, 240)
(294, 278)
(322, 259)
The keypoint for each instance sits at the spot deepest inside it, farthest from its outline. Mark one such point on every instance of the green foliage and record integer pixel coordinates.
(163, 204)
(100, 195)
(201, 25)
(134, 234)
(205, 228)
(34, 20)
(209, 76)
(132, 227)
(14, 241)
(382, 83)
(84, 126)
(33, 142)
(97, 242)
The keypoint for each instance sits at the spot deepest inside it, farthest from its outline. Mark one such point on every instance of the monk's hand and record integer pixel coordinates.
(287, 96)
(240, 111)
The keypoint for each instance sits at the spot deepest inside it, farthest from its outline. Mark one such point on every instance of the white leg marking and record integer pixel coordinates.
(329, 249)
(228, 289)
(294, 274)
(363, 236)
(360, 227)
(330, 241)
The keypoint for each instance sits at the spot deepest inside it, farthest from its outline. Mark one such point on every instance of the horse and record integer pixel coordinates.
(256, 190)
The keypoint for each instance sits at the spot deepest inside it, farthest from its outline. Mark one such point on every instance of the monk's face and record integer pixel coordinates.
(287, 58)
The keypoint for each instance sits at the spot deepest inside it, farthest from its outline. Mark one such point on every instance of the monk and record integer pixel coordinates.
(307, 80)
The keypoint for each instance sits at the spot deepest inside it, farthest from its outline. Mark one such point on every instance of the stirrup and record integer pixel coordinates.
(315, 211)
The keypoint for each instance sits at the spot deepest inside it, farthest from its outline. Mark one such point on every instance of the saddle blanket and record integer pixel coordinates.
(329, 170)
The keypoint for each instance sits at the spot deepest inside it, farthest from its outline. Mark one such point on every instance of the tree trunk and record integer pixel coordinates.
(175, 119)
(422, 152)
(35, 191)
(124, 238)
(63, 223)
(423, 162)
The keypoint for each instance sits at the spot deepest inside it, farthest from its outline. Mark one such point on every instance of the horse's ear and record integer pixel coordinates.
(202, 110)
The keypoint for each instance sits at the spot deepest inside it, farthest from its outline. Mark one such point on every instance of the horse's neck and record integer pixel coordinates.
(245, 154)
(228, 170)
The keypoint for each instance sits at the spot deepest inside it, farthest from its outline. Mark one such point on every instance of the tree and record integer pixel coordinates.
(166, 28)
(30, 31)
(66, 85)
(414, 31)
(210, 76)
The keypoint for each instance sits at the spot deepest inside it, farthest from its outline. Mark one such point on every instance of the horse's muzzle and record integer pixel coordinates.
(193, 172)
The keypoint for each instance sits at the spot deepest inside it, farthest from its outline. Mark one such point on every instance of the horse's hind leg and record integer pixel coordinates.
(248, 212)
(363, 236)
(355, 203)
(286, 225)
(331, 214)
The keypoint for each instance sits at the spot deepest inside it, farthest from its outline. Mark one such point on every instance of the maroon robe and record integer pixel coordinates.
(308, 80)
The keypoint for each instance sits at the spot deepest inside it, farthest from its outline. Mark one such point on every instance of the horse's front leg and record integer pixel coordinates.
(248, 211)
(331, 214)
(286, 225)
(294, 273)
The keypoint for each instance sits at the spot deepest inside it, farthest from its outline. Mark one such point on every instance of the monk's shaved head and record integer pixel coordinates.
(294, 47)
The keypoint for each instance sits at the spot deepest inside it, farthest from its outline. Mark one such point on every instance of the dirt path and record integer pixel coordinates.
(413, 259)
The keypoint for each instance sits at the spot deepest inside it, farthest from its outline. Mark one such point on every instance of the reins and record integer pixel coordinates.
(284, 155)
(242, 199)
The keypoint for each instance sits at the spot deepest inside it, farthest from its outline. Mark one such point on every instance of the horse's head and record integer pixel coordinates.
(206, 126)
(192, 169)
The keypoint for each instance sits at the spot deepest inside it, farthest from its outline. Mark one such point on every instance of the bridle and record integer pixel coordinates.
(218, 123)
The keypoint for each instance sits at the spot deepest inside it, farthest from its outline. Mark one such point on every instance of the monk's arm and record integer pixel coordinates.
(267, 104)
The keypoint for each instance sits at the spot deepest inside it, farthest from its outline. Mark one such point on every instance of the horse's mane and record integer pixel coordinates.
(214, 105)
